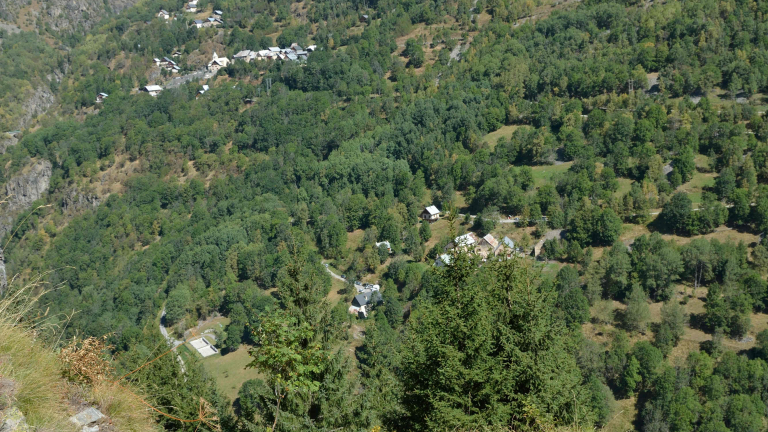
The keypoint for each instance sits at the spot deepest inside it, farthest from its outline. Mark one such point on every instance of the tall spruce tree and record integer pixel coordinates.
(489, 350)
(307, 384)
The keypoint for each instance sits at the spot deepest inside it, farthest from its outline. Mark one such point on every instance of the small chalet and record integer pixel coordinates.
(311, 48)
(100, 97)
(201, 92)
(386, 244)
(364, 302)
(364, 18)
(467, 240)
(153, 90)
(443, 260)
(164, 14)
(198, 23)
(168, 64)
(490, 242)
(506, 248)
(176, 54)
(191, 6)
(217, 63)
(218, 13)
(246, 55)
(430, 214)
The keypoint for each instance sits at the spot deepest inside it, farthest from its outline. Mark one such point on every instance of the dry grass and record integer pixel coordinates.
(41, 392)
(125, 410)
(504, 131)
(229, 370)
(722, 233)
(601, 330)
(355, 239)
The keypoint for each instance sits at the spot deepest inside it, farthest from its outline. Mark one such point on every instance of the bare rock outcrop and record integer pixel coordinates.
(12, 420)
(65, 15)
(7, 141)
(22, 190)
(76, 201)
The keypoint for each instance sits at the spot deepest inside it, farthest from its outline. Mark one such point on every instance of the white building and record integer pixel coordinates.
(153, 90)
(164, 14)
(386, 245)
(465, 240)
(443, 260)
(246, 55)
(430, 214)
(217, 63)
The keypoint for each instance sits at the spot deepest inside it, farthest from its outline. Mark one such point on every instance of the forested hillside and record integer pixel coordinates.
(605, 163)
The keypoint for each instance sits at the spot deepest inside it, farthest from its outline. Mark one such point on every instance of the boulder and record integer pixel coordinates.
(12, 420)
(86, 417)
(7, 390)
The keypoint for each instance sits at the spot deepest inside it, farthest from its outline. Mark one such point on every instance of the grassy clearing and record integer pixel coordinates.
(505, 131)
(691, 340)
(702, 161)
(696, 186)
(334, 295)
(460, 202)
(623, 420)
(722, 233)
(625, 185)
(214, 324)
(543, 174)
(355, 239)
(229, 370)
(440, 229)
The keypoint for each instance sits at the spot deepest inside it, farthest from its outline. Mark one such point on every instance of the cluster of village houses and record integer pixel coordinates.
(294, 53)
(487, 247)
(191, 7)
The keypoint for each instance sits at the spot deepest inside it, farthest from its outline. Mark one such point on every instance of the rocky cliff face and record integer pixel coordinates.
(36, 102)
(64, 15)
(7, 141)
(76, 201)
(22, 190)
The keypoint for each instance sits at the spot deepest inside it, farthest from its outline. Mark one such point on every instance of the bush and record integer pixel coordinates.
(603, 312)
(638, 314)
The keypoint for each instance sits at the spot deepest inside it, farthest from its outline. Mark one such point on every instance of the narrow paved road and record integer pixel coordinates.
(332, 273)
(171, 340)
(197, 75)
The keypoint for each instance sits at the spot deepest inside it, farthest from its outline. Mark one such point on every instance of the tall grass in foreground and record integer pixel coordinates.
(37, 372)
(39, 392)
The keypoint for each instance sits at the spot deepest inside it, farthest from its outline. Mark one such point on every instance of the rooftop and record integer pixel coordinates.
(467, 239)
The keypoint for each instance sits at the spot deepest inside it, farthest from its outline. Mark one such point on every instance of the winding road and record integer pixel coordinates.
(334, 275)
(174, 342)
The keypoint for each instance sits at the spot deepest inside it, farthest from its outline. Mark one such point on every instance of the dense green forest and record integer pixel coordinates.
(627, 138)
